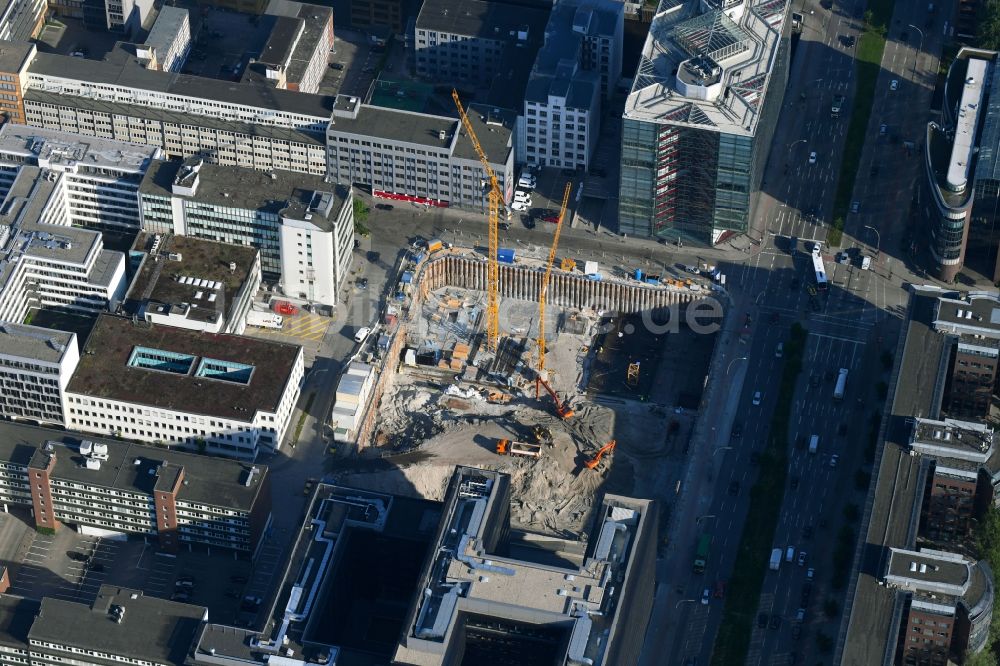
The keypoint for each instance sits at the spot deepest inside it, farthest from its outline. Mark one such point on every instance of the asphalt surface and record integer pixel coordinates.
(849, 327)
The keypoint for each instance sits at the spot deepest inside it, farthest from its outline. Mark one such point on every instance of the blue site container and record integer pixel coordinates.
(505, 255)
(638, 274)
(407, 277)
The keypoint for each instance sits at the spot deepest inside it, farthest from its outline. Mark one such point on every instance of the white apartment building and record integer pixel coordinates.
(45, 262)
(193, 283)
(234, 125)
(224, 394)
(169, 41)
(35, 367)
(99, 178)
(303, 226)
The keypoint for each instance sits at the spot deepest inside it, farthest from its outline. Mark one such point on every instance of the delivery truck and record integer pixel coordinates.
(838, 390)
(775, 559)
(701, 554)
(265, 319)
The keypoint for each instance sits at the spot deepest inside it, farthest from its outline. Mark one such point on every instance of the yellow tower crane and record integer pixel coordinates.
(543, 291)
(495, 199)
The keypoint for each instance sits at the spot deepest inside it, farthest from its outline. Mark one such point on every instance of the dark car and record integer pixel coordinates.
(761, 620)
(529, 222)
(796, 631)
(362, 283)
(775, 621)
(76, 556)
(337, 66)
(807, 532)
(793, 244)
(384, 206)
(734, 487)
(795, 482)
(737, 431)
(95, 567)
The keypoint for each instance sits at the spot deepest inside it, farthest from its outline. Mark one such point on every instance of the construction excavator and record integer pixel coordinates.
(562, 409)
(596, 460)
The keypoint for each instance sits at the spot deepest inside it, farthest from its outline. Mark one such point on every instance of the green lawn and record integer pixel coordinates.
(743, 590)
(871, 44)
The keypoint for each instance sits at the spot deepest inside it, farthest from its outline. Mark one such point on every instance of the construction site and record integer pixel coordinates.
(573, 380)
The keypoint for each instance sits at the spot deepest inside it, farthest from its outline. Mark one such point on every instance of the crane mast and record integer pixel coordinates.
(495, 200)
(543, 291)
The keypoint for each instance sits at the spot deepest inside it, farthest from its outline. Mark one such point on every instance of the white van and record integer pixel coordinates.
(790, 554)
(813, 443)
(362, 334)
(866, 263)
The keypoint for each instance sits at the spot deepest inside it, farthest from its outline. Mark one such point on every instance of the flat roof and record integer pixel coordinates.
(744, 47)
(949, 438)
(493, 127)
(124, 69)
(897, 492)
(57, 148)
(104, 370)
(209, 479)
(170, 116)
(284, 36)
(44, 345)
(14, 54)
(201, 260)
(480, 18)
(977, 313)
(151, 629)
(966, 125)
(929, 571)
(166, 28)
(16, 616)
(234, 187)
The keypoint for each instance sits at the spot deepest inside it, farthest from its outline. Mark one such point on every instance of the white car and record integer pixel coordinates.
(362, 334)
(705, 596)
(894, 84)
(833, 460)
(802, 558)
(526, 201)
(812, 157)
(527, 182)
(519, 206)
(756, 398)
(521, 195)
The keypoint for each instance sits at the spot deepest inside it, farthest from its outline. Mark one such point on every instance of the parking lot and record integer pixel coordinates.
(546, 197)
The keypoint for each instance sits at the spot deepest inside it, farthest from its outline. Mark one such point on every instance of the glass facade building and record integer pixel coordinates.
(694, 147)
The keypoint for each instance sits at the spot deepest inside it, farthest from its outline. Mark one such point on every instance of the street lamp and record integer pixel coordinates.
(741, 358)
(683, 601)
(878, 240)
(721, 448)
(793, 144)
(705, 517)
(919, 49)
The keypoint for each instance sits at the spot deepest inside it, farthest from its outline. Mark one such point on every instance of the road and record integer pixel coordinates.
(845, 327)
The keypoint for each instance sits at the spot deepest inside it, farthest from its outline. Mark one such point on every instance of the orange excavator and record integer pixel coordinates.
(562, 409)
(596, 460)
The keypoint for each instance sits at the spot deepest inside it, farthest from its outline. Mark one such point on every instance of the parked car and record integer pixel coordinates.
(802, 558)
(894, 84)
(339, 66)
(76, 556)
(384, 206)
(775, 621)
(180, 595)
(362, 283)
(519, 206)
(362, 334)
(855, 206)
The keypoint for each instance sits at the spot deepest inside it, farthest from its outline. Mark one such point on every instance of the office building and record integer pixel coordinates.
(921, 509)
(469, 41)
(418, 157)
(15, 56)
(971, 327)
(391, 14)
(224, 394)
(698, 122)
(296, 54)
(946, 197)
(960, 451)
(950, 604)
(113, 489)
(193, 283)
(227, 123)
(35, 367)
(169, 41)
(45, 262)
(471, 595)
(22, 20)
(16, 616)
(579, 66)
(119, 626)
(303, 225)
(99, 178)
